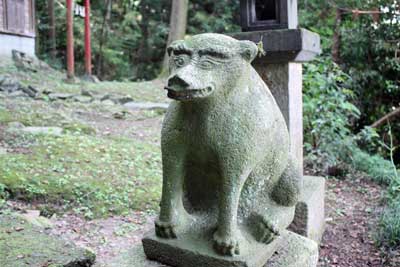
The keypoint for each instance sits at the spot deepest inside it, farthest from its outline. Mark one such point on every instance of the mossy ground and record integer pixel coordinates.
(24, 245)
(87, 170)
(95, 176)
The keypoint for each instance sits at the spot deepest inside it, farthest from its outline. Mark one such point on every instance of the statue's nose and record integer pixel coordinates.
(177, 83)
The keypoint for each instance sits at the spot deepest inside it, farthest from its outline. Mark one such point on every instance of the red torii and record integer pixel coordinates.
(70, 41)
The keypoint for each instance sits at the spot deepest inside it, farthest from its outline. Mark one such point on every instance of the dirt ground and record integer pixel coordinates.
(352, 209)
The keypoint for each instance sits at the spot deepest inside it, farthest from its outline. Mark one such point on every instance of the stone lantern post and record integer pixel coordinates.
(286, 46)
(275, 23)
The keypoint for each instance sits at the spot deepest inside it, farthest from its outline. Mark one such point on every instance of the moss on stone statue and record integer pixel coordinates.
(23, 244)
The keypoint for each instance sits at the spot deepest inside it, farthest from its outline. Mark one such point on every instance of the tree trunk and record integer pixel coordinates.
(52, 29)
(337, 37)
(177, 28)
(103, 37)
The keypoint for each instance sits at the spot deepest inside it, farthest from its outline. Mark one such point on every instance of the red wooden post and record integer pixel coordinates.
(70, 41)
(88, 48)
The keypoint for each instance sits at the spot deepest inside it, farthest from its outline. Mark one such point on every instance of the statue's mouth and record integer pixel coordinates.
(189, 94)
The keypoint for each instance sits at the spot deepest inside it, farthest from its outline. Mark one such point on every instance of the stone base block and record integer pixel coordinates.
(309, 218)
(196, 250)
(293, 251)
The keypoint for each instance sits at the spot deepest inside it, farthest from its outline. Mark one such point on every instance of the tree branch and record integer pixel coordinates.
(385, 118)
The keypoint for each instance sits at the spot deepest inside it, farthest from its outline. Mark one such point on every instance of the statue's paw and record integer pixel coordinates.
(226, 245)
(267, 232)
(165, 229)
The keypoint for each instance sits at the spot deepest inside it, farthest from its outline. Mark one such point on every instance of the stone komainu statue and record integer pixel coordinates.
(227, 170)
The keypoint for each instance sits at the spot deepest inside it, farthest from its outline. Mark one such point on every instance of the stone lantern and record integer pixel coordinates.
(259, 15)
(287, 47)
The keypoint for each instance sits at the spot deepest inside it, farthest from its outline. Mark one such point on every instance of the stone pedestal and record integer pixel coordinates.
(197, 250)
(294, 251)
(309, 218)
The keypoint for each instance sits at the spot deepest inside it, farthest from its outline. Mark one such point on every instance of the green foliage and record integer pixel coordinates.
(389, 232)
(368, 48)
(213, 16)
(328, 111)
(379, 169)
(129, 42)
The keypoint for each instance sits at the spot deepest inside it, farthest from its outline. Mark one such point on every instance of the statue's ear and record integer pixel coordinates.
(248, 50)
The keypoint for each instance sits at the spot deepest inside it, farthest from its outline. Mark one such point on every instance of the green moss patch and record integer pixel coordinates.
(92, 175)
(22, 244)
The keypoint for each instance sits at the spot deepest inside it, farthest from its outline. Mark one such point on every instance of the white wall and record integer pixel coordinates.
(10, 42)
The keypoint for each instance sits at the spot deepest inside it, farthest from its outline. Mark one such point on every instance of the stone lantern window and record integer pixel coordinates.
(257, 15)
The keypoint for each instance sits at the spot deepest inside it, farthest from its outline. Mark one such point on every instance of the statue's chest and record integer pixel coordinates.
(200, 136)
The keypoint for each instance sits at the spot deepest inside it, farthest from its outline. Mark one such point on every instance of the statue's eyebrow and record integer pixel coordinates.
(179, 49)
(217, 52)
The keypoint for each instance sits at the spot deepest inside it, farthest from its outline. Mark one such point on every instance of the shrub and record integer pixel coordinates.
(389, 233)
(328, 111)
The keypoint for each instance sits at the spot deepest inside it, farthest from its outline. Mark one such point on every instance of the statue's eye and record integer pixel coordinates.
(180, 60)
(206, 63)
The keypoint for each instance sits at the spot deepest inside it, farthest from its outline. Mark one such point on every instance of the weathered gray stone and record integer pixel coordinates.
(108, 102)
(60, 96)
(146, 105)
(230, 181)
(25, 245)
(86, 92)
(117, 99)
(9, 85)
(43, 130)
(30, 91)
(196, 250)
(47, 91)
(309, 220)
(294, 251)
(23, 61)
(124, 99)
(83, 99)
(282, 46)
(17, 94)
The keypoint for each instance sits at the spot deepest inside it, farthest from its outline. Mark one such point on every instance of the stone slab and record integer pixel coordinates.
(146, 105)
(294, 251)
(309, 218)
(25, 245)
(194, 250)
(288, 45)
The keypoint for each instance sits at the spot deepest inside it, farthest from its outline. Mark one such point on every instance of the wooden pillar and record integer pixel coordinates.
(70, 41)
(88, 48)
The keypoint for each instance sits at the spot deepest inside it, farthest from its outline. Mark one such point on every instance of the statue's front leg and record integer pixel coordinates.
(171, 206)
(226, 237)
